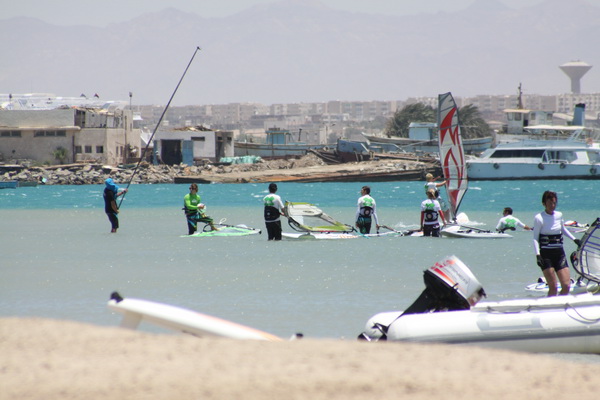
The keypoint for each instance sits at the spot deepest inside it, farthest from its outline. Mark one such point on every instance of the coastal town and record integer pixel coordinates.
(45, 139)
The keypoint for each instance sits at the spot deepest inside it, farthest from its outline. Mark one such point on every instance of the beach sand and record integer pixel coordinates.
(52, 359)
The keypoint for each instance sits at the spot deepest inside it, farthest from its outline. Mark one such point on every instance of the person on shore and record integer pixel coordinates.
(366, 211)
(195, 211)
(509, 222)
(273, 211)
(111, 192)
(548, 231)
(430, 212)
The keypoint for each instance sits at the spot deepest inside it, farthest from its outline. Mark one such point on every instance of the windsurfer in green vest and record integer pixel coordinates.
(430, 211)
(194, 210)
(366, 211)
(509, 222)
(273, 211)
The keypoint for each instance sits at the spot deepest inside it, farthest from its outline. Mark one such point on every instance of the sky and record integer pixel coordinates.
(102, 13)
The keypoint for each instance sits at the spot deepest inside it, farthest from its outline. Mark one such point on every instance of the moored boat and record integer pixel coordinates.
(448, 311)
(537, 159)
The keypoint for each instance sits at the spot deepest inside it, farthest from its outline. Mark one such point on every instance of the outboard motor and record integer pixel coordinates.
(449, 285)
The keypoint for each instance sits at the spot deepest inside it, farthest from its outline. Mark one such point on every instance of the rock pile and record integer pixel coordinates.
(88, 174)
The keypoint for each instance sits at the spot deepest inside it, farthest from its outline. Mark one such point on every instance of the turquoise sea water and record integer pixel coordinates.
(60, 261)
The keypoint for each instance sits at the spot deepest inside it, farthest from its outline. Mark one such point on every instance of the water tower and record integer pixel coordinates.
(575, 70)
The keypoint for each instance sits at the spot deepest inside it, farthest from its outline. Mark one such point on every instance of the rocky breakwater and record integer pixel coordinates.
(309, 168)
(88, 174)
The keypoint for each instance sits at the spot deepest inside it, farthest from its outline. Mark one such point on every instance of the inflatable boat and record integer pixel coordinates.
(448, 311)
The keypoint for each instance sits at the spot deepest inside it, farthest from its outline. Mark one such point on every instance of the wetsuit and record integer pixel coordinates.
(430, 210)
(110, 199)
(365, 213)
(548, 231)
(193, 214)
(273, 209)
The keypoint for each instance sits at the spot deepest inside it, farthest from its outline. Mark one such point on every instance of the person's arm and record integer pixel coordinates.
(499, 226)
(443, 217)
(375, 214)
(422, 217)
(537, 227)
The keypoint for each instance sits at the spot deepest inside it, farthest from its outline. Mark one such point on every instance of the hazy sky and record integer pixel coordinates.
(101, 13)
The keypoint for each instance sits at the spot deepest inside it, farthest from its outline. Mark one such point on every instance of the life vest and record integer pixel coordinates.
(430, 214)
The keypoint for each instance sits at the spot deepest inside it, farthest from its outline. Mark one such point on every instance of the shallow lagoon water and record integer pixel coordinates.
(60, 261)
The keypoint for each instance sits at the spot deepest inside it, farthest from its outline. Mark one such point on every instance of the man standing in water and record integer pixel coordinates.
(111, 192)
(366, 211)
(548, 231)
(273, 211)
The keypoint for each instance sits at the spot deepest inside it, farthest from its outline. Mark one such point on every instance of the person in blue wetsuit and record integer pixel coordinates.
(366, 211)
(548, 231)
(273, 211)
(194, 210)
(111, 192)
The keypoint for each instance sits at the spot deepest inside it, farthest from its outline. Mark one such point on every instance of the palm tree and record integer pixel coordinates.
(60, 154)
(472, 124)
(398, 124)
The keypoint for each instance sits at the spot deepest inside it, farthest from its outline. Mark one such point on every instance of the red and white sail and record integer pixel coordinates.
(452, 155)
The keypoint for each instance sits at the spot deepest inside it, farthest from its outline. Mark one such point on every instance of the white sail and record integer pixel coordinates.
(452, 156)
(305, 217)
(587, 262)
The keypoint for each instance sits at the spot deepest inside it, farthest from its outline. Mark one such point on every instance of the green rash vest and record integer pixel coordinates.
(191, 202)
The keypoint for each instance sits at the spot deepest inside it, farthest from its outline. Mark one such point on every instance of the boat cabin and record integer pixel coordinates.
(422, 131)
(518, 119)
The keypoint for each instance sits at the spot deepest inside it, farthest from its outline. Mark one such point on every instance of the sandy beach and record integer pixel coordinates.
(52, 359)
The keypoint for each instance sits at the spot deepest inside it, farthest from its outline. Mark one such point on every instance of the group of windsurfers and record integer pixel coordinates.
(548, 227)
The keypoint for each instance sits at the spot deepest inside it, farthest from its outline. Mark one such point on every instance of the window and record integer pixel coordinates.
(10, 134)
(78, 149)
(88, 149)
(99, 149)
(199, 139)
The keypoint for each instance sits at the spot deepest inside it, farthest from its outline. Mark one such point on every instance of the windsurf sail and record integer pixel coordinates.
(452, 155)
(306, 217)
(587, 259)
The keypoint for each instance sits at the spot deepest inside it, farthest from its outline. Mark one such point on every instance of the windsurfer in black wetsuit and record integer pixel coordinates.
(273, 211)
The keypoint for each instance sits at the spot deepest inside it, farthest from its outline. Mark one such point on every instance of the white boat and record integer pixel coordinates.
(538, 159)
(452, 159)
(448, 312)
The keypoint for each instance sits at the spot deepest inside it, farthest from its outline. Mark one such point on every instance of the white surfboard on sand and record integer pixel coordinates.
(180, 319)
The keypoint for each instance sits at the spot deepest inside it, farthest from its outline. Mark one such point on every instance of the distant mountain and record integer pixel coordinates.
(301, 51)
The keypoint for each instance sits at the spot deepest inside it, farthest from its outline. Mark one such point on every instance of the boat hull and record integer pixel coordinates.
(565, 324)
(495, 170)
(268, 151)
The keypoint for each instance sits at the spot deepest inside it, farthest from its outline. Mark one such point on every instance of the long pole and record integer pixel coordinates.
(143, 155)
